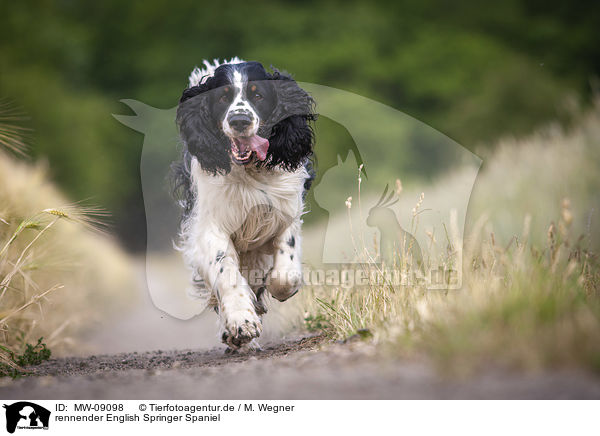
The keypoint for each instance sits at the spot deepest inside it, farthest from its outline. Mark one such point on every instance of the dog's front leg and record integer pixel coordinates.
(238, 319)
(286, 276)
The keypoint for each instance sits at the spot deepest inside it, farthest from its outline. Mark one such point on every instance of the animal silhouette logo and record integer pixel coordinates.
(26, 415)
(344, 237)
(397, 247)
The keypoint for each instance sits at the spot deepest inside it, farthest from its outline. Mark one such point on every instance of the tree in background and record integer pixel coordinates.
(472, 72)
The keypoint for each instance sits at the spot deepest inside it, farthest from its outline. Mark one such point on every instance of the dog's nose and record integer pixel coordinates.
(239, 122)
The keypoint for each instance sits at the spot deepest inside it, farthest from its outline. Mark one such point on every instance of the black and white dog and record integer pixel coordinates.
(247, 147)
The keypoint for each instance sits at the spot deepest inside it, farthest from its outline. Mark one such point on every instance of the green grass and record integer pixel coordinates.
(519, 307)
(542, 309)
(530, 298)
(32, 355)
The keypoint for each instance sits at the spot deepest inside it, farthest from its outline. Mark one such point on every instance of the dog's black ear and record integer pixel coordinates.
(200, 133)
(291, 137)
(290, 143)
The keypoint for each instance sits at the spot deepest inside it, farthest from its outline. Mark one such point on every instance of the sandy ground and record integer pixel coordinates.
(304, 368)
(144, 353)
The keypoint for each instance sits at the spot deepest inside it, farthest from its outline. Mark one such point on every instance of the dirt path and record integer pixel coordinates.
(304, 368)
(193, 365)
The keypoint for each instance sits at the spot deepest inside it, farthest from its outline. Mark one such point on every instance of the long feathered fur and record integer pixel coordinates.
(240, 218)
(289, 130)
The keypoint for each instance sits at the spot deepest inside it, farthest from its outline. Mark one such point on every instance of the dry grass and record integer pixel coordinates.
(531, 283)
(59, 275)
(12, 131)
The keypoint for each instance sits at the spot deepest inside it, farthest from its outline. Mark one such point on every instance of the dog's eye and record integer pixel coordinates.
(254, 94)
(226, 96)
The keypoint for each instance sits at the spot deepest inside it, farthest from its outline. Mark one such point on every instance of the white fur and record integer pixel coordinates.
(249, 216)
(199, 75)
(241, 226)
(240, 103)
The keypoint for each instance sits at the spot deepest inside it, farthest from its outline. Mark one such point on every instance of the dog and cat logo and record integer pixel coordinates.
(420, 233)
(26, 415)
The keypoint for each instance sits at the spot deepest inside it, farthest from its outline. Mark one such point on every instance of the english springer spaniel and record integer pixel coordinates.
(245, 169)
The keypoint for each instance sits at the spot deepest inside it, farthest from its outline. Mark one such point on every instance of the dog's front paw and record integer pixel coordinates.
(251, 347)
(240, 327)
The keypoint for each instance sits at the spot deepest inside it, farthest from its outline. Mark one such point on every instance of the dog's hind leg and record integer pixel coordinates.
(256, 266)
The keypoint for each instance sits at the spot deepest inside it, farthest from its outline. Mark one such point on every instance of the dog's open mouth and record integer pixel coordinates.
(243, 148)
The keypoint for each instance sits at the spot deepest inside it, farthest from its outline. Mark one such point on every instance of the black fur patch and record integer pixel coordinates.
(259, 304)
(288, 128)
(312, 174)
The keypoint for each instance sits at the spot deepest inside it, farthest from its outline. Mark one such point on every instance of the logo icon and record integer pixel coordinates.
(26, 415)
(416, 233)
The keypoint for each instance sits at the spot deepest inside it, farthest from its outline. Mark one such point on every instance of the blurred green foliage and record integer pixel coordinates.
(470, 70)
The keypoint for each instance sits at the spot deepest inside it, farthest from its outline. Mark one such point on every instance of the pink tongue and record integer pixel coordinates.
(257, 144)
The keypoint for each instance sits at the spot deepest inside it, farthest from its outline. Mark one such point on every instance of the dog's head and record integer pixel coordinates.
(240, 114)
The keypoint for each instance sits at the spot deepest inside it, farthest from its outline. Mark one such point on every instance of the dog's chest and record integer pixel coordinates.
(261, 225)
(255, 209)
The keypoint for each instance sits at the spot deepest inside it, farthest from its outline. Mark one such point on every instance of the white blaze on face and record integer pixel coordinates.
(240, 104)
